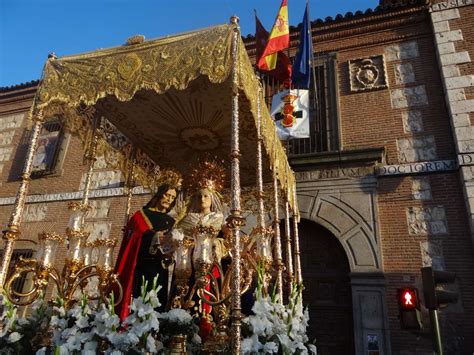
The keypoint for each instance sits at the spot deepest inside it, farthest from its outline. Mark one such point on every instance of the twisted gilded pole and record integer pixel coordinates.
(235, 219)
(289, 256)
(277, 244)
(12, 233)
(260, 206)
(91, 158)
(296, 245)
(129, 185)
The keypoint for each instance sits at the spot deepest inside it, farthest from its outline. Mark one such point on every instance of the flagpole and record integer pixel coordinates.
(315, 95)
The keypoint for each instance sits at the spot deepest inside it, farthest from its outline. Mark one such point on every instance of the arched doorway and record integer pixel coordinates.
(327, 291)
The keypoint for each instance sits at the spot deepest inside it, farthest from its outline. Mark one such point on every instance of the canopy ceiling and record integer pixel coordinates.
(170, 98)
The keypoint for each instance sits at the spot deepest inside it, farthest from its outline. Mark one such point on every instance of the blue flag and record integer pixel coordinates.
(301, 72)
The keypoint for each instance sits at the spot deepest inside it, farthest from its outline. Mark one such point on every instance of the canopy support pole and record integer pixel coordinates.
(235, 220)
(260, 211)
(296, 217)
(91, 158)
(129, 186)
(277, 245)
(12, 233)
(289, 256)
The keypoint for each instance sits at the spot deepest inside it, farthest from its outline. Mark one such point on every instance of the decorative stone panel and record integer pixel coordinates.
(432, 254)
(421, 188)
(6, 138)
(103, 180)
(416, 149)
(97, 230)
(367, 73)
(11, 121)
(35, 213)
(450, 36)
(100, 163)
(427, 221)
(404, 73)
(5, 153)
(99, 209)
(409, 97)
(108, 162)
(412, 121)
(402, 51)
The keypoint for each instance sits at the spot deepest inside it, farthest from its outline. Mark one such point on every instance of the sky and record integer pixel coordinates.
(31, 29)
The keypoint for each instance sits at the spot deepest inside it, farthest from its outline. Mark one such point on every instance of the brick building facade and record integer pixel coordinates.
(385, 183)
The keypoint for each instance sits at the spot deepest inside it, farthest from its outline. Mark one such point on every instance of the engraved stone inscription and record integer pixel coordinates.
(334, 173)
(450, 4)
(427, 220)
(421, 167)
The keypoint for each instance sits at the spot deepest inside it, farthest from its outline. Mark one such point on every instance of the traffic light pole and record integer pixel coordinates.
(436, 332)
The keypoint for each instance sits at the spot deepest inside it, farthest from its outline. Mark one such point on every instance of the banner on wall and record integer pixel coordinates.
(290, 111)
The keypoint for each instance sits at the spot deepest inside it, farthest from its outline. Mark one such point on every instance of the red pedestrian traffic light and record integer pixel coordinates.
(407, 298)
(410, 315)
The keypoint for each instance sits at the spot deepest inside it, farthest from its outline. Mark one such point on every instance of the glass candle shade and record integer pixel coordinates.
(203, 255)
(106, 250)
(49, 243)
(76, 241)
(183, 267)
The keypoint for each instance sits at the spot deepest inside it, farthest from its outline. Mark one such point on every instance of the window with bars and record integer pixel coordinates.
(19, 283)
(324, 117)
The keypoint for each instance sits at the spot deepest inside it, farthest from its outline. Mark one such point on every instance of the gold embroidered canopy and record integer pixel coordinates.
(170, 98)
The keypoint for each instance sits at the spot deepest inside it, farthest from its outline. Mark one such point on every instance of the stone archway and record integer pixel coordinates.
(327, 292)
(351, 220)
(347, 209)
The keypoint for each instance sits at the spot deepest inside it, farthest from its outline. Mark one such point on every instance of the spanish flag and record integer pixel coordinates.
(279, 39)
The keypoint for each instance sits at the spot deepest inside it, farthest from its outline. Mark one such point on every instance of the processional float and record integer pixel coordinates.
(157, 104)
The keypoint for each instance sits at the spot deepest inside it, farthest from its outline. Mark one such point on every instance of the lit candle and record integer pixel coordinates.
(75, 221)
(87, 253)
(203, 257)
(75, 243)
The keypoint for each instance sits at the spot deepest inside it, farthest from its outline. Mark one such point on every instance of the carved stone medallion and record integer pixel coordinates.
(367, 73)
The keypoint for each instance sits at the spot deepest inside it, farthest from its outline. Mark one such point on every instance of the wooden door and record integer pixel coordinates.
(327, 291)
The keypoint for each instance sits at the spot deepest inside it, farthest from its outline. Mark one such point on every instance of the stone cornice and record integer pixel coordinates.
(373, 156)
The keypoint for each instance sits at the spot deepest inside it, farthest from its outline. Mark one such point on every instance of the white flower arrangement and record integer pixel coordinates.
(82, 329)
(275, 327)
